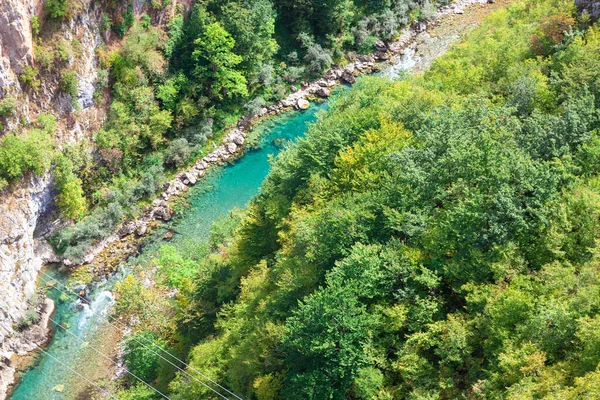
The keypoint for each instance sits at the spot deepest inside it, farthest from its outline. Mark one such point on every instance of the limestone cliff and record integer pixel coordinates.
(27, 212)
(26, 207)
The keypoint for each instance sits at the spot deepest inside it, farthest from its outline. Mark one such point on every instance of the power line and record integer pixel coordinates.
(77, 373)
(153, 352)
(110, 359)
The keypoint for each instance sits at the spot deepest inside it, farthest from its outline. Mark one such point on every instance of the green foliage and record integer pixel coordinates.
(29, 77)
(141, 357)
(30, 151)
(70, 199)
(216, 63)
(59, 9)
(175, 270)
(69, 84)
(35, 25)
(434, 237)
(178, 153)
(7, 106)
(138, 391)
(124, 22)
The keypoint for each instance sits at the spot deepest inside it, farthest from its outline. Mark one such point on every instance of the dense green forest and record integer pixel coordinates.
(430, 238)
(172, 89)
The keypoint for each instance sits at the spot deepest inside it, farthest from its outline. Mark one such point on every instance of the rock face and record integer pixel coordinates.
(19, 261)
(24, 206)
(591, 7)
(15, 40)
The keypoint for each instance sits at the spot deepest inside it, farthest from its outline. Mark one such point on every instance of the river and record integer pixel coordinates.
(81, 331)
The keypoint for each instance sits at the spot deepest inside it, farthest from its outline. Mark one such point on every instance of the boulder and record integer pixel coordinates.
(590, 7)
(348, 77)
(141, 229)
(323, 92)
(163, 213)
(127, 228)
(239, 139)
(302, 104)
(231, 148)
(191, 178)
(380, 45)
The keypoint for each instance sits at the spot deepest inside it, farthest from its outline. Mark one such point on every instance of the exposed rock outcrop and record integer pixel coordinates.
(591, 7)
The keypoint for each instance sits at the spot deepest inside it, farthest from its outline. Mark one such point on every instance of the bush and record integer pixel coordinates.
(292, 74)
(44, 56)
(124, 22)
(58, 8)
(31, 317)
(197, 135)
(35, 25)
(318, 59)
(7, 106)
(178, 153)
(68, 83)
(70, 199)
(141, 359)
(265, 76)
(31, 151)
(255, 105)
(29, 77)
(105, 23)
(149, 183)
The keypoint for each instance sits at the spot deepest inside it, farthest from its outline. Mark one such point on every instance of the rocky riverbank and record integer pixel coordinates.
(18, 350)
(233, 144)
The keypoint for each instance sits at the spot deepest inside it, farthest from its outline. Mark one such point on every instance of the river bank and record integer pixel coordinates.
(123, 243)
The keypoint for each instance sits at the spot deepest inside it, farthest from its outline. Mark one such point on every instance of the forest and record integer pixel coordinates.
(172, 89)
(430, 238)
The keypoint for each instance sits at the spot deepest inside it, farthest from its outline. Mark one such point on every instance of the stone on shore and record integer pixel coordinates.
(302, 104)
(323, 92)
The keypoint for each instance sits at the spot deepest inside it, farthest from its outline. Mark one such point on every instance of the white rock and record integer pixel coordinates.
(302, 104)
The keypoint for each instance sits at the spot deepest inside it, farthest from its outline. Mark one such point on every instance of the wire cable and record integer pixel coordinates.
(152, 351)
(109, 359)
(77, 373)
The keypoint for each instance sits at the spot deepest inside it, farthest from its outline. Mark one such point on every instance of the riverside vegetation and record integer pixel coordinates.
(172, 87)
(430, 238)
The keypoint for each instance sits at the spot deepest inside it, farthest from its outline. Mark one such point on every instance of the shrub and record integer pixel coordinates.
(70, 199)
(149, 182)
(7, 106)
(265, 76)
(35, 25)
(145, 21)
(255, 105)
(292, 74)
(30, 318)
(63, 50)
(141, 359)
(43, 55)
(318, 59)
(29, 77)
(68, 83)
(31, 151)
(124, 22)
(105, 23)
(58, 8)
(198, 134)
(177, 153)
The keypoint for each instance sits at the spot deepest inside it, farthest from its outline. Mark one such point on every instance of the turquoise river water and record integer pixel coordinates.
(81, 331)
